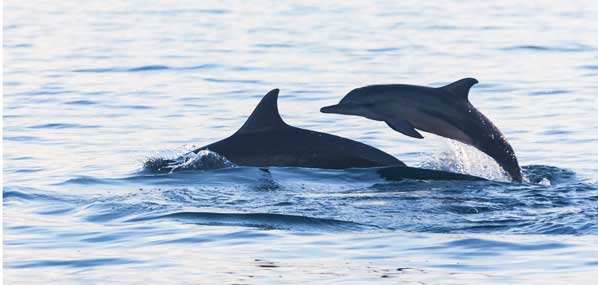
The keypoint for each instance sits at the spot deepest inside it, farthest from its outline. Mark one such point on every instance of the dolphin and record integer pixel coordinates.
(266, 140)
(444, 111)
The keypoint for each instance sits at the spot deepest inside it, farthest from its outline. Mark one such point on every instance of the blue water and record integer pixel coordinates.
(94, 89)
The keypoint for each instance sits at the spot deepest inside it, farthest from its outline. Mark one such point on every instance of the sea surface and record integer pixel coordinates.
(93, 89)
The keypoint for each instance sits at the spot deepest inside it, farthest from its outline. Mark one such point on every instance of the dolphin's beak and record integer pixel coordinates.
(343, 109)
(333, 109)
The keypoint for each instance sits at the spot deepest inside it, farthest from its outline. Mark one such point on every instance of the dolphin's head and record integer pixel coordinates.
(354, 103)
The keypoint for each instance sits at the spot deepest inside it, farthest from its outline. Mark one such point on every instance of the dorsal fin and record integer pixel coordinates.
(460, 88)
(265, 115)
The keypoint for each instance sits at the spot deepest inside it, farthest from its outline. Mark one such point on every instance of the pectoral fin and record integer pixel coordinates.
(404, 127)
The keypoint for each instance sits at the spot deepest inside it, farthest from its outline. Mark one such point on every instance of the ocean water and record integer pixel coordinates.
(93, 89)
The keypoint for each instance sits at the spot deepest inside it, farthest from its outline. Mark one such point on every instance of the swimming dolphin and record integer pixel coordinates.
(445, 111)
(266, 140)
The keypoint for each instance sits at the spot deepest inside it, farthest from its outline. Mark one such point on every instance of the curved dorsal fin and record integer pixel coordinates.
(460, 88)
(265, 115)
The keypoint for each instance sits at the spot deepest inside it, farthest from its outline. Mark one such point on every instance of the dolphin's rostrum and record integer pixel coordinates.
(445, 111)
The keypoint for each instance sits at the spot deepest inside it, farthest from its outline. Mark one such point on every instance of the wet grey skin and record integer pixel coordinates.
(266, 140)
(444, 111)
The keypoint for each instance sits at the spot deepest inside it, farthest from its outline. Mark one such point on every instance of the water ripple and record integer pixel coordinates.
(543, 48)
(75, 263)
(259, 220)
(552, 202)
(145, 68)
(482, 244)
(64, 126)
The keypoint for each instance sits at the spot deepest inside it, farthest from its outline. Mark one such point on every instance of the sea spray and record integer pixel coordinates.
(202, 160)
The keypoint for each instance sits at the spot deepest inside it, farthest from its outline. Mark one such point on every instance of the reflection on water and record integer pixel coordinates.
(91, 90)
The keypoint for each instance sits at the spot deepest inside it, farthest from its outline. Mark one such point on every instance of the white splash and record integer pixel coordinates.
(545, 182)
(202, 160)
(185, 159)
(462, 158)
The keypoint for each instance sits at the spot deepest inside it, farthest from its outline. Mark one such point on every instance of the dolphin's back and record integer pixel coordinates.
(380, 90)
(295, 147)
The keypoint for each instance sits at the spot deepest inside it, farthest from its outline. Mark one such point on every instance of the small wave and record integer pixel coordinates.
(549, 92)
(540, 48)
(80, 102)
(30, 194)
(133, 107)
(63, 126)
(8, 195)
(546, 175)
(202, 160)
(384, 49)
(402, 172)
(246, 81)
(76, 263)
(43, 93)
(102, 211)
(28, 170)
(259, 220)
(18, 46)
(493, 245)
(148, 68)
(21, 138)
(144, 68)
(87, 180)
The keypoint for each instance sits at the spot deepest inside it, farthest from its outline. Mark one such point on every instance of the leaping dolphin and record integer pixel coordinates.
(444, 111)
(266, 140)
